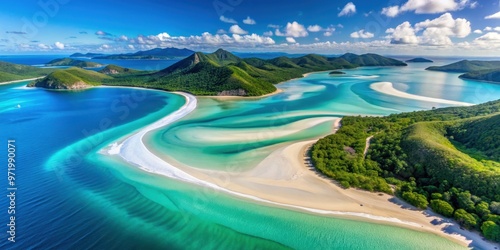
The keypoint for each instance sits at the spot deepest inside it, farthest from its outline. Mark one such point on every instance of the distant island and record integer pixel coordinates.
(419, 60)
(153, 54)
(446, 159)
(70, 79)
(467, 66)
(73, 63)
(13, 72)
(335, 72)
(87, 55)
(474, 70)
(221, 73)
(115, 70)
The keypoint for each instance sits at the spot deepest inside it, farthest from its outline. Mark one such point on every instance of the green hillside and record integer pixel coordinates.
(72, 78)
(419, 60)
(222, 73)
(12, 72)
(115, 70)
(492, 75)
(447, 158)
(73, 63)
(467, 66)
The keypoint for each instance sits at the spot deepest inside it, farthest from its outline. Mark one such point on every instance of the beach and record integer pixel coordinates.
(387, 88)
(23, 80)
(284, 179)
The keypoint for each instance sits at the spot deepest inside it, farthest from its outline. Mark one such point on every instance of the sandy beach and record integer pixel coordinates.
(285, 179)
(387, 88)
(16, 81)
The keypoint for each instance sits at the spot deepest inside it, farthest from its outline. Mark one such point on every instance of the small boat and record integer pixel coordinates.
(18, 106)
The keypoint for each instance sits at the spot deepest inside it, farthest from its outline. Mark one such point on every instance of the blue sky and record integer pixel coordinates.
(444, 27)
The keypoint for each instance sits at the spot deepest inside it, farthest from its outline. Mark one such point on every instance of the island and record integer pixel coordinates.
(73, 62)
(419, 60)
(444, 158)
(467, 66)
(153, 54)
(86, 55)
(15, 72)
(335, 72)
(70, 79)
(492, 75)
(222, 73)
(112, 69)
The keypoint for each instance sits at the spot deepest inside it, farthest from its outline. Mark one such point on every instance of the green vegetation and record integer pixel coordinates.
(73, 63)
(12, 72)
(153, 54)
(90, 55)
(417, 154)
(222, 73)
(72, 78)
(419, 60)
(467, 66)
(114, 70)
(489, 75)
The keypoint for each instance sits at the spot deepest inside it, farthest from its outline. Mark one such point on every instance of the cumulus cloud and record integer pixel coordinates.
(235, 29)
(249, 21)
(59, 45)
(293, 29)
(314, 28)
(362, 34)
(493, 16)
(490, 36)
(428, 7)
(227, 20)
(163, 36)
(44, 46)
(435, 32)
(403, 34)
(478, 32)
(327, 33)
(290, 40)
(348, 9)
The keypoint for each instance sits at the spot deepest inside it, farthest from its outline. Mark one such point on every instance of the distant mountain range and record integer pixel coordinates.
(158, 53)
(223, 73)
(87, 55)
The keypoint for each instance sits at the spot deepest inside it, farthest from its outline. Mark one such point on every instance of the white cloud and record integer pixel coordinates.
(348, 9)
(59, 45)
(227, 20)
(290, 40)
(328, 33)
(316, 39)
(362, 34)
(235, 29)
(249, 21)
(293, 29)
(163, 36)
(130, 46)
(488, 28)
(124, 38)
(268, 33)
(44, 46)
(490, 36)
(340, 25)
(102, 33)
(403, 34)
(493, 16)
(314, 28)
(105, 47)
(478, 32)
(497, 29)
(273, 26)
(428, 7)
(445, 25)
(391, 11)
(221, 31)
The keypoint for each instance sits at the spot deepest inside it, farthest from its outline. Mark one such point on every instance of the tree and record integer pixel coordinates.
(491, 230)
(442, 207)
(482, 209)
(416, 199)
(464, 200)
(465, 219)
(495, 207)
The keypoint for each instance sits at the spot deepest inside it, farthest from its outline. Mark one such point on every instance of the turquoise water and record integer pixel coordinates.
(70, 196)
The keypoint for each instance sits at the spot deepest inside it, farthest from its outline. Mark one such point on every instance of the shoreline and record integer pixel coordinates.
(388, 89)
(289, 179)
(24, 80)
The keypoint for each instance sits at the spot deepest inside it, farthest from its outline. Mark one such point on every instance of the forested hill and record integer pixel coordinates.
(467, 66)
(222, 73)
(446, 158)
(12, 72)
(483, 75)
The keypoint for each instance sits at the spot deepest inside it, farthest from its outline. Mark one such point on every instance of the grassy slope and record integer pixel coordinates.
(72, 62)
(66, 78)
(11, 72)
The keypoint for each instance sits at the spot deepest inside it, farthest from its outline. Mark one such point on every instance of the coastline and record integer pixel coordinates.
(282, 179)
(24, 80)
